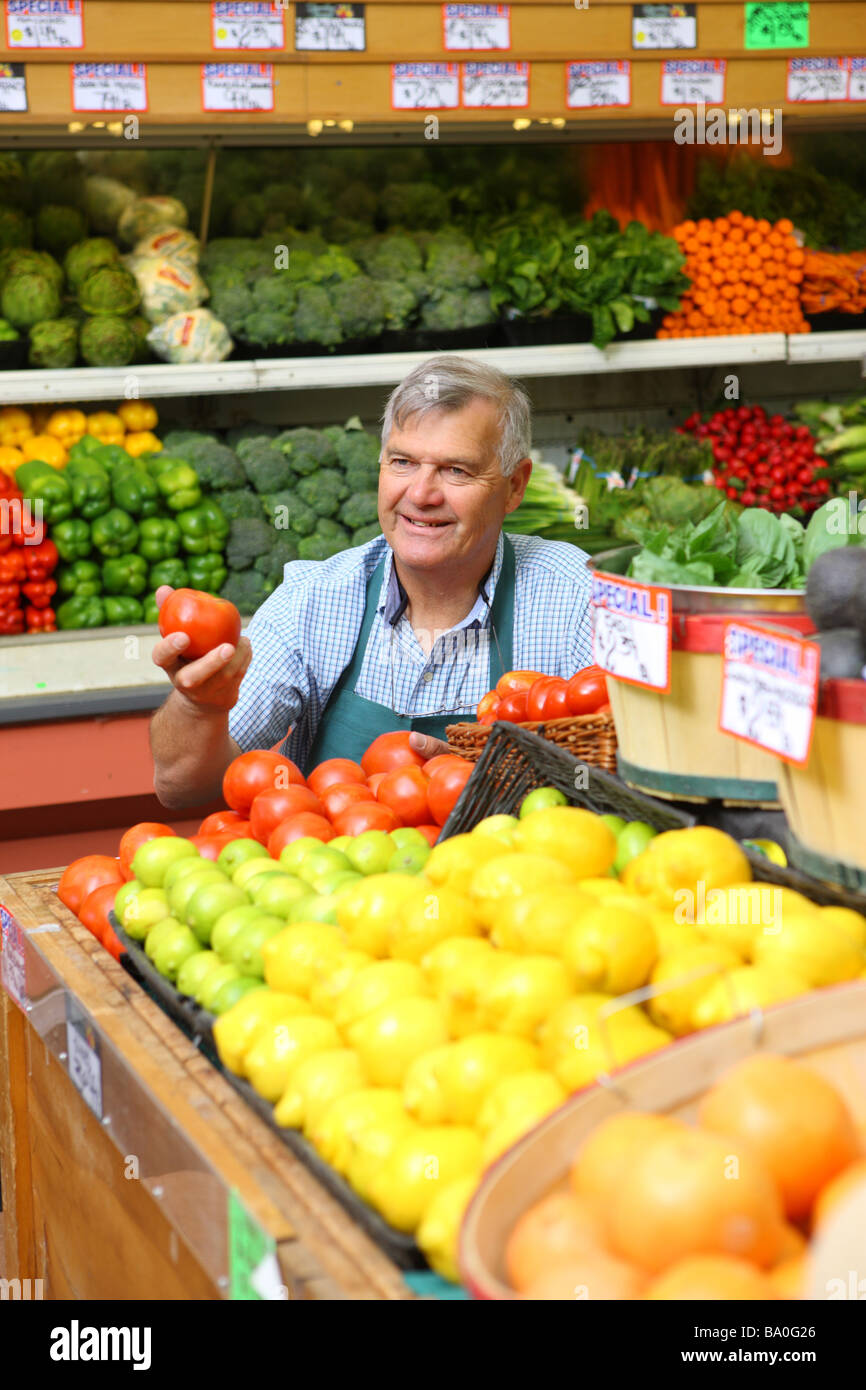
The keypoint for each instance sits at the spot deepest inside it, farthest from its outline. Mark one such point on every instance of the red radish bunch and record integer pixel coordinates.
(763, 461)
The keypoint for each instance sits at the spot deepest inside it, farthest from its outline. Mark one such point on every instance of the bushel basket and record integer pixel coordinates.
(591, 738)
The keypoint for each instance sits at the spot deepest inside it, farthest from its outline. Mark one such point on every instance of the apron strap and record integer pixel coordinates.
(501, 646)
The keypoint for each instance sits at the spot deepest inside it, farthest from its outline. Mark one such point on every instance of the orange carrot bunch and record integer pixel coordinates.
(746, 276)
(834, 282)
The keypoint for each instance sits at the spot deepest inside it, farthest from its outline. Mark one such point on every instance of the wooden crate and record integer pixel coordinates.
(72, 1215)
(825, 802)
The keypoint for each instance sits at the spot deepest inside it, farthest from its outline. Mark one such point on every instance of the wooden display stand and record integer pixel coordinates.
(135, 1206)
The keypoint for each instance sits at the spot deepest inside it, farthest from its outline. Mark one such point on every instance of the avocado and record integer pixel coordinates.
(836, 590)
(843, 653)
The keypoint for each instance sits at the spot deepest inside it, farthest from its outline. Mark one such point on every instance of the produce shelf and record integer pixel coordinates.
(847, 346)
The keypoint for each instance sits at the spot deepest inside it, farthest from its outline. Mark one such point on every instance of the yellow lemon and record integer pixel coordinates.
(809, 946)
(439, 1232)
(389, 1039)
(743, 989)
(537, 921)
(423, 1162)
(372, 1146)
(610, 948)
(671, 935)
(454, 861)
(457, 979)
(291, 957)
(279, 1047)
(577, 838)
(676, 862)
(686, 975)
(365, 910)
(424, 922)
(602, 887)
(527, 1095)
(499, 828)
(335, 1129)
(504, 1135)
(511, 875)
(314, 1083)
(578, 1041)
(236, 1030)
(848, 921)
(375, 985)
(450, 1086)
(521, 991)
(443, 960)
(734, 915)
(333, 977)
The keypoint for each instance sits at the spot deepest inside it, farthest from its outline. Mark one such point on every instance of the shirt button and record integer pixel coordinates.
(428, 676)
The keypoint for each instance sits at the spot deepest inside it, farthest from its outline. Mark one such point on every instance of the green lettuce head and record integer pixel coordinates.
(109, 290)
(28, 297)
(58, 227)
(54, 343)
(108, 341)
(87, 256)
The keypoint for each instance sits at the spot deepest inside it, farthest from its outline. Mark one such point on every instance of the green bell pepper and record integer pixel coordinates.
(52, 490)
(151, 612)
(72, 539)
(27, 473)
(87, 447)
(171, 572)
(203, 529)
(114, 533)
(81, 579)
(161, 463)
(123, 610)
(206, 572)
(179, 487)
(91, 489)
(113, 456)
(125, 575)
(159, 538)
(135, 491)
(81, 611)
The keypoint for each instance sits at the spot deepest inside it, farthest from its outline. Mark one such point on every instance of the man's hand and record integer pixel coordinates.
(428, 746)
(213, 681)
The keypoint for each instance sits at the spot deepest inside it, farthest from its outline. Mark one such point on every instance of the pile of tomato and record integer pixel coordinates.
(523, 696)
(763, 461)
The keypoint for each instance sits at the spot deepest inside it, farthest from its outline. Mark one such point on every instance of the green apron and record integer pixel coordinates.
(349, 723)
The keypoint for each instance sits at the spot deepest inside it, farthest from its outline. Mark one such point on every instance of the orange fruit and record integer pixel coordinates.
(594, 1275)
(793, 1244)
(561, 1227)
(712, 1277)
(789, 1277)
(793, 1119)
(694, 1193)
(836, 1190)
(606, 1155)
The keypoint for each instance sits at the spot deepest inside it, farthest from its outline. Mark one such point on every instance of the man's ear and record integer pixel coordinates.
(517, 484)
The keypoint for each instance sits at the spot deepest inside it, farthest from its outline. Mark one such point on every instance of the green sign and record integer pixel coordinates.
(777, 25)
(253, 1268)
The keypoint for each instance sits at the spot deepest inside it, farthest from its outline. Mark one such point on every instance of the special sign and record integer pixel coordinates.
(631, 631)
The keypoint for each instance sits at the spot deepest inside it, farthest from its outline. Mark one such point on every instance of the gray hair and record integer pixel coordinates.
(449, 382)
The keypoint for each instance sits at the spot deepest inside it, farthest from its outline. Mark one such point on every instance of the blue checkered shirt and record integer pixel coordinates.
(304, 634)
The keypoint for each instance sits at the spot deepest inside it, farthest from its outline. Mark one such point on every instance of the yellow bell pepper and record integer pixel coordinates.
(46, 448)
(142, 442)
(10, 459)
(66, 425)
(138, 416)
(106, 427)
(16, 425)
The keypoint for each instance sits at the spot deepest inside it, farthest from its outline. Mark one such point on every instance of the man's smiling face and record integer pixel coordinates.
(442, 495)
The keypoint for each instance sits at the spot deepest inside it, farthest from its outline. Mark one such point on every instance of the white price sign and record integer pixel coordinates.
(476, 26)
(13, 87)
(631, 631)
(664, 26)
(44, 24)
(249, 24)
(13, 969)
(83, 1060)
(817, 79)
(769, 690)
(109, 87)
(237, 86)
(495, 84)
(425, 86)
(598, 84)
(691, 81)
(330, 28)
(857, 79)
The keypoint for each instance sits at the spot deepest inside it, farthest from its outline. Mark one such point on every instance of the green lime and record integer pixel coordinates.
(631, 842)
(614, 823)
(232, 990)
(540, 799)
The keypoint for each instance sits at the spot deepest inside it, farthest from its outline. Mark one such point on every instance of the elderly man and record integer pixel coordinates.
(405, 632)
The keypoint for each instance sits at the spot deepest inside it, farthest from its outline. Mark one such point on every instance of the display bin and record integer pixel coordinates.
(826, 1028)
(670, 744)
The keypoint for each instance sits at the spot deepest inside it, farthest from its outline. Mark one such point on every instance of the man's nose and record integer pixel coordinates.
(425, 488)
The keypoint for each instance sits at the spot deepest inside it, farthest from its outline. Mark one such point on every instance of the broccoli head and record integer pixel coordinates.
(249, 537)
(401, 301)
(278, 507)
(302, 519)
(329, 529)
(266, 466)
(356, 200)
(452, 262)
(415, 205)
(360, 510)
(392, 257)
(359, 306)
(252, 430)
(59, 227)
(247, 590)
(283, 551)
(217, 467)
(267, 327)
(358, 449)
(315, 317)
(323, 491)
(240, 501)
(54, 343)
(276, 292)
(306, 449)
(110, 289)
(366, 533)
(233, 305)
(317, 548)
(457, 309)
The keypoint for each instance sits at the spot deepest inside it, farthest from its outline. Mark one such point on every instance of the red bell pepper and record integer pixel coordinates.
(40, 592)
(40, 619)
(12, 568)
(41, 560)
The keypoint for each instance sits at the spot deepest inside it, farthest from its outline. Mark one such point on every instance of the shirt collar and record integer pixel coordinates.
(389, 593)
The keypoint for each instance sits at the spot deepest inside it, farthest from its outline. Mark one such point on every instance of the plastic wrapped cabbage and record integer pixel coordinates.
(167, 287)
(170, 243)
(198, 336)
(144, 216)
(105, 200)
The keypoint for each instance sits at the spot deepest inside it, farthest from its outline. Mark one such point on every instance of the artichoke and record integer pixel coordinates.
(109, 290)
(89, 255)
(54, 343)
(28, 297)
(58, 227)
(108, 341)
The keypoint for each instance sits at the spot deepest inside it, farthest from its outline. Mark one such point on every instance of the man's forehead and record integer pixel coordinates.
(474, 426)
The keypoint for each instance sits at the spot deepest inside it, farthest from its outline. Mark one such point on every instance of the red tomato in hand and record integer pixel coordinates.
(365, 815)
(84, 876)
(334, 772)
(93, 912)
(488, 703)
(219, 822)
(278, 804)
(405, 791)
(514, 681)
(207, 621)
(441, 760)
(586, 691)
(138, 835)
(255, 772)
(444, 788)
(548, 699)
(306, 823)
(513, 707)
(389, 751)
(342, 795)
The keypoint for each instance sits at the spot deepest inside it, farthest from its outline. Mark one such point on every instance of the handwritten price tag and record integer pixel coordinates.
(777, 25)
(13, 968)
(495, 84)
(476, 26)
(109, 87)
(332, 28)
(769, 690)
(250, 24)
(598, 84)
(631, 626)
(253, 1269)
(689, 81)
(83, 1059)
(664, 26)
(425, 86)
(44, 24)
(817, 79)
(237, 86)
(13, 87)
(857, 79)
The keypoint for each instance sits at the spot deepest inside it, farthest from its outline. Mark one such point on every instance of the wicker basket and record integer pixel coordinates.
(591, 738)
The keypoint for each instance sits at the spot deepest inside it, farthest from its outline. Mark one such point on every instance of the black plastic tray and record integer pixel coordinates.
(13, 354)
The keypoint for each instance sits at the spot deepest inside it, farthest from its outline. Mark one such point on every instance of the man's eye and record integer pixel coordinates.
(458, 472)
